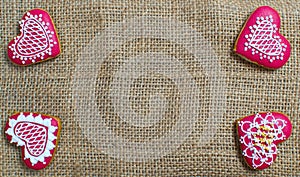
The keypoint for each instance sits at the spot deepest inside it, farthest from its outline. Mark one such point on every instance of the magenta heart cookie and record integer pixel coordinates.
(260, 41)
(38, 40)
(259, 136)
(36, 134)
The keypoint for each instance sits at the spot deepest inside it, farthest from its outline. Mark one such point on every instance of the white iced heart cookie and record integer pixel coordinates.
(36, 134)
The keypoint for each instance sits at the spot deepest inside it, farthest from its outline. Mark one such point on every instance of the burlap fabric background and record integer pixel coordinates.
(195, 100)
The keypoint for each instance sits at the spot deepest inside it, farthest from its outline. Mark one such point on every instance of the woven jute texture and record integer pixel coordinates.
(149, 88)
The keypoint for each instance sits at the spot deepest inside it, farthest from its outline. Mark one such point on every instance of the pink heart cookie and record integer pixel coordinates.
(259, 136)
(260, 41)
(37, 134)
(38, 40)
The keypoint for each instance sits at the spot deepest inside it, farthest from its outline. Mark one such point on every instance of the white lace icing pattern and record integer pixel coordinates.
(35, 133)
(35, 40)
(259, 138)
(263, 41)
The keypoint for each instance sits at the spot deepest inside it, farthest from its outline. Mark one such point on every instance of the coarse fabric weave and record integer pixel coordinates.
(149, 88)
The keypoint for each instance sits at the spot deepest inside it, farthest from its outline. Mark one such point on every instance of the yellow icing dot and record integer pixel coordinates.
(262, 140)
(270, 141)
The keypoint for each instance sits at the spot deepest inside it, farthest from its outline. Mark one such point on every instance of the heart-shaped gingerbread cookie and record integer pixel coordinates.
(260, 41)
(38, 40)
(259, 136)
(37, 134)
